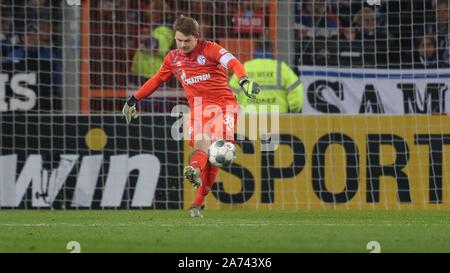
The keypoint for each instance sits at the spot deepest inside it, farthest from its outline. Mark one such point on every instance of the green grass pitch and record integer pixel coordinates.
(224, 231)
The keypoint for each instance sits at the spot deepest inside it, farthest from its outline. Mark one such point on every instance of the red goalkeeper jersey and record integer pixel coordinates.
(202, 72)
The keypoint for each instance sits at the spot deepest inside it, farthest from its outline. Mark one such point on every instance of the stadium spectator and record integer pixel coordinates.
(349, 50)
(403, 19)
(343, 50)
(8, 38)
(345, 10)
(374, 40)
(316, 24)
(45, 33)
(426, 54)
(32, 56)
(318, 52)
(443, 29)
(315, 19)
(25, 12)
(152, 49)
(279, 84)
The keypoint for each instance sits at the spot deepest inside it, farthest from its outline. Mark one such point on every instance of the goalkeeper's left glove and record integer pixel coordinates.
(129, 109)
(251, 89)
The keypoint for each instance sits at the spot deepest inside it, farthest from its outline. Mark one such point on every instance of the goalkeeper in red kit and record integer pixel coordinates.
(200, 67)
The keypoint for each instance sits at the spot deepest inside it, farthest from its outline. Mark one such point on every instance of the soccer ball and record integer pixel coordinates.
(221, 153)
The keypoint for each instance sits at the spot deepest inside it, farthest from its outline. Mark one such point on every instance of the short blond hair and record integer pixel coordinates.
(186, 25)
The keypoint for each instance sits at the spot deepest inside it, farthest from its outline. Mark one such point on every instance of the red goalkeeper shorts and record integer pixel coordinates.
(212, 121)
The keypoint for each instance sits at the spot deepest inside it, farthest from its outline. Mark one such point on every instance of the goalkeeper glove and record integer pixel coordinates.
(251, 89)
(129, 109)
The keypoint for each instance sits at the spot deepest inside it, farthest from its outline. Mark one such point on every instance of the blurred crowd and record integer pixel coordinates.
(129, 38)
(132, 36)
(27, 40)
(345, 33)
(394, 34)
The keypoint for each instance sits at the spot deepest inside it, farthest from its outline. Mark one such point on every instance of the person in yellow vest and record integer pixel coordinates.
(151, 52)
(279, 84)
(149, 57)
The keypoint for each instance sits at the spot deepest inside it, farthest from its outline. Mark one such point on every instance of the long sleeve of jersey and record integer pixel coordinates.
(150, 86)
(226, 59)
(238, 68)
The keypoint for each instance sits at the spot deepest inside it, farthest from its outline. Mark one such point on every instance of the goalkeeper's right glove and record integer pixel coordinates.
(251, 89)
(129, 109)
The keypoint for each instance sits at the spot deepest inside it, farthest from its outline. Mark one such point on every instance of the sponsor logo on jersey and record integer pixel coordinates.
(183, 75)
(195, 79)
(201, 59)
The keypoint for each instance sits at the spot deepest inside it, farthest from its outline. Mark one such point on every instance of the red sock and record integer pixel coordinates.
(208, 180)
(204, 189)
(212, 176)
(199, 160)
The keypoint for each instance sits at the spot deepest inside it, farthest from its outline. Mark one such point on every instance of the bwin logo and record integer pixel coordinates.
(46, 185)
(73, 2)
